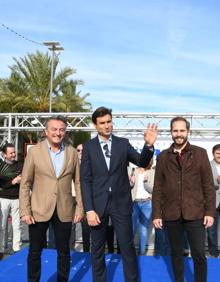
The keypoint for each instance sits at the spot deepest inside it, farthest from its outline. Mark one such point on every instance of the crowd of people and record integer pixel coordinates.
(115, 194)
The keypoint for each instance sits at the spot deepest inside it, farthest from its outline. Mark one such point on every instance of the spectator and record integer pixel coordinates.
(10, 177)
(142, 181)
(213, 230)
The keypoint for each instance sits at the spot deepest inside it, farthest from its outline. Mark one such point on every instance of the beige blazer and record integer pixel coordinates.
(41, 191)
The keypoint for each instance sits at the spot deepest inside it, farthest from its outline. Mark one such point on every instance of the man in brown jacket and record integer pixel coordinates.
(184, 199)
(46, 196)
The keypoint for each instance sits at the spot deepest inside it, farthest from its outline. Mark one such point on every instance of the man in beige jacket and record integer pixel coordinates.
(45, 196)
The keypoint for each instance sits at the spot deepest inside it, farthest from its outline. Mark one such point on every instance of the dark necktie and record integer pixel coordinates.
(107, 151)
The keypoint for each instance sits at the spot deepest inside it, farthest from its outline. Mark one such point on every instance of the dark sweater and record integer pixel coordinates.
(7, 189)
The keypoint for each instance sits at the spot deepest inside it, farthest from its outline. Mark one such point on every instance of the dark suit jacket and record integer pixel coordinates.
(96, 179)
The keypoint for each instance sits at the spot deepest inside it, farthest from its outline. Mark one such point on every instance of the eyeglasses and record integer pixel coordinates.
(107, 151)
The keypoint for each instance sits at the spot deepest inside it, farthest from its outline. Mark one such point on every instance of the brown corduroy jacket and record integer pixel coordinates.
(186, 190)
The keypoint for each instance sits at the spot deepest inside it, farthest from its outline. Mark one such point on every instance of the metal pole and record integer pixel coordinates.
(9, 127)
(16, 138)
(51, 81)
(52, 46)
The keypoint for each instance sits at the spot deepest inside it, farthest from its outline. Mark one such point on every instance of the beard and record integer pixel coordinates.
(180, 141)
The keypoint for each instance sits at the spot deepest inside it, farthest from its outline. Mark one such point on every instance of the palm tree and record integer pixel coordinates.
(70, 100)
(34, 71)
(28, 88)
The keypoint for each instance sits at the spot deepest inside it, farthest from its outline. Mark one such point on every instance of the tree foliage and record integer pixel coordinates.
(28, 87)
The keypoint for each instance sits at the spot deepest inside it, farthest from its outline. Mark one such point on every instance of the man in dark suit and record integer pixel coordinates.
(106, 191)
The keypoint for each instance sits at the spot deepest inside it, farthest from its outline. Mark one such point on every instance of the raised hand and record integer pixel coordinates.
(150, 135)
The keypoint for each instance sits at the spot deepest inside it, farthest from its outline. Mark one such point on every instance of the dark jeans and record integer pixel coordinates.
(37, 233)
(141, 218)
(213, 236)
(161, 242)
(195, 232)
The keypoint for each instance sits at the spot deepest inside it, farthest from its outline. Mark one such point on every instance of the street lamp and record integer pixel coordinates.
(52, 46)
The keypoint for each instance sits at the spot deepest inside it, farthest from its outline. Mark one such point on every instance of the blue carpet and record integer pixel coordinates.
(152, 269)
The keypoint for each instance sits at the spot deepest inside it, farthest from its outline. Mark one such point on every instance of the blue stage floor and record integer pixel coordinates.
(152, 269)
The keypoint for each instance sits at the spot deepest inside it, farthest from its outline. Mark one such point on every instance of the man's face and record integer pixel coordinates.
(216, 156)
(55, 132)
(104, 126)
(10, 154)
(179, 133)
(79, 149)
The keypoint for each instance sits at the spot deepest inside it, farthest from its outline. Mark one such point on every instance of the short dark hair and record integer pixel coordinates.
(215, 148)
(59, 117)
(101, 112)
(6, 146)
(179, 119)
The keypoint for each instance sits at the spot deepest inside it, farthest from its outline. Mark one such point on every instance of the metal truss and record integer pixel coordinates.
(131, 125)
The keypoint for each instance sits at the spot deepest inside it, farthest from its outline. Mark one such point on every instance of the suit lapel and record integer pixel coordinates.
(99, 154)
(114, 150)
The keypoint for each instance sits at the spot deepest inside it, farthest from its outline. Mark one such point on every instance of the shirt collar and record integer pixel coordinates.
(103, 142)
(60, 149)
(217, 164)
(184, 150)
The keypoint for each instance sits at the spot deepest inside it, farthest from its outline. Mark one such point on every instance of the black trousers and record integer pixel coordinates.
(86, 232)
(37, 233)
(195, 232)
(123, 227)
(85, 235)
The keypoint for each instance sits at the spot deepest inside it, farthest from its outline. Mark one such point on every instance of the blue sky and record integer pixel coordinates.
(134, 56)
